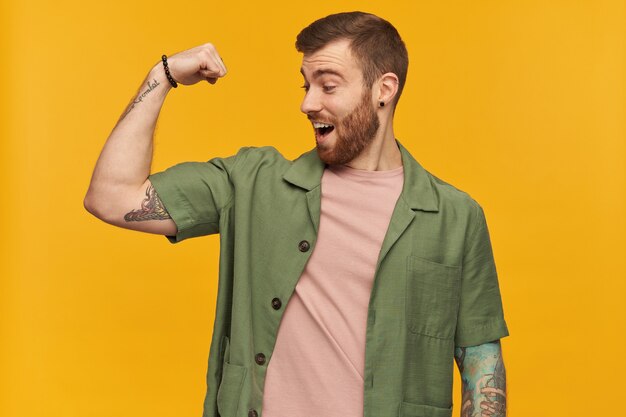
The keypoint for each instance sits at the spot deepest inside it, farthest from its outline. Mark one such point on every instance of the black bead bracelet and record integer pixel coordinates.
(167, 72)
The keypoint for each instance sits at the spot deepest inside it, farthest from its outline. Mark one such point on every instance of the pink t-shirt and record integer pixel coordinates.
(319, 357)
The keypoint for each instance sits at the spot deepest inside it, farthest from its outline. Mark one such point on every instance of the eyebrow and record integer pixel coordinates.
(319, 72)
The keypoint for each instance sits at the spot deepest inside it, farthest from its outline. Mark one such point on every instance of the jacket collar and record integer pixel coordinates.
(417, 190)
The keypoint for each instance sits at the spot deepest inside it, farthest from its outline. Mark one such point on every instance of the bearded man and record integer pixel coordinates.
(351, 278)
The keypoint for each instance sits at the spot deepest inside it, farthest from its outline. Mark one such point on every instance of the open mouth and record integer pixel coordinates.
(322, 130)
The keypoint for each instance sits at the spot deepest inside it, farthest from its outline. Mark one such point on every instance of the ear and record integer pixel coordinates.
(387, 87)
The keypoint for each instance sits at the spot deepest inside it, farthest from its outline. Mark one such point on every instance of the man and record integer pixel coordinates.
(350, 277)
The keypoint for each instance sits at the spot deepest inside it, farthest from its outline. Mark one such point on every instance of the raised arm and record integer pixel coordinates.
(483, 380)
(120, 192)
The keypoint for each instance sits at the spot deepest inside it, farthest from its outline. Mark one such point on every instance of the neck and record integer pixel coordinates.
(381, 154)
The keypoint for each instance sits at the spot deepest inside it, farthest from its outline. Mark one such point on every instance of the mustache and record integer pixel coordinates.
(331, 121)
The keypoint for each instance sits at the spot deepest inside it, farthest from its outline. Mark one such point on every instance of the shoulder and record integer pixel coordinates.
(255, 158)
(455, 200)
(260, 153)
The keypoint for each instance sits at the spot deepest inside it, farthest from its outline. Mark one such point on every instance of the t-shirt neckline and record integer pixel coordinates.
(344, 170)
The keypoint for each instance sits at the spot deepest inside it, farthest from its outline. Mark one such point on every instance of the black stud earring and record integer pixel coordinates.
(382, 104)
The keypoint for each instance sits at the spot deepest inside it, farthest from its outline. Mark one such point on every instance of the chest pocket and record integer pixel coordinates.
(231, 384)
(432, 297)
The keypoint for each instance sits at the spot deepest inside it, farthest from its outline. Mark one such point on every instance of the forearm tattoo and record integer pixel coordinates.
(139, 97)
(151, 208)
(483, 379)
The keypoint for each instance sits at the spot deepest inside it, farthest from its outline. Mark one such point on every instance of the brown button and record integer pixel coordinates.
(276, 303)
(252, 413)
(303, 246)
(259, 358)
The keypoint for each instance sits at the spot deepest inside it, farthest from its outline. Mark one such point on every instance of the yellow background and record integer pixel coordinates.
(521, 104)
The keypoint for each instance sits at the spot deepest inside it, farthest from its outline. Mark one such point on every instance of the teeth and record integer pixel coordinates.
(318, 125)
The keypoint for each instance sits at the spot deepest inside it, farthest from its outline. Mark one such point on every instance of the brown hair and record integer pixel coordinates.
(374, 42)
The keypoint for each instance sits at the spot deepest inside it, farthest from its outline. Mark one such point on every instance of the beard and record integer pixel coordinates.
(353, 133)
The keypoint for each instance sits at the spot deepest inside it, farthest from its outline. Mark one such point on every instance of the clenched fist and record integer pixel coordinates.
(196, 64)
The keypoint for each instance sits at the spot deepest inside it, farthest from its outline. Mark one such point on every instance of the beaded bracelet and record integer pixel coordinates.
(167, 72)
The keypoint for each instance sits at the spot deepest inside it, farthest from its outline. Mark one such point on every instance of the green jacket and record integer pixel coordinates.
(435, 285)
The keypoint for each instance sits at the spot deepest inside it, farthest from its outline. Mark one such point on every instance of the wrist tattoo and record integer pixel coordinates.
(152, 208)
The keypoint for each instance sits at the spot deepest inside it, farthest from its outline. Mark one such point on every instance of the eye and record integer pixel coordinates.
(306, 87)
(328, 88)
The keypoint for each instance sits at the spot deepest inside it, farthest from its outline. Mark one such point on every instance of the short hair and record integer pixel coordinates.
(374, 42)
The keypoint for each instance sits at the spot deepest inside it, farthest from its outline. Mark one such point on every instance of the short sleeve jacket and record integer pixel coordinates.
(435, 285)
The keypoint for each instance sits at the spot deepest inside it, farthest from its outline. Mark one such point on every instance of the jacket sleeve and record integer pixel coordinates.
(481, 316)
(194, 193)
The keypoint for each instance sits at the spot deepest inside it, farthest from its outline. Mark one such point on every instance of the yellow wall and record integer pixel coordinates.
(519, 103)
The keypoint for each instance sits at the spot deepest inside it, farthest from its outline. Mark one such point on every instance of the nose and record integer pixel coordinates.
(311, 102)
